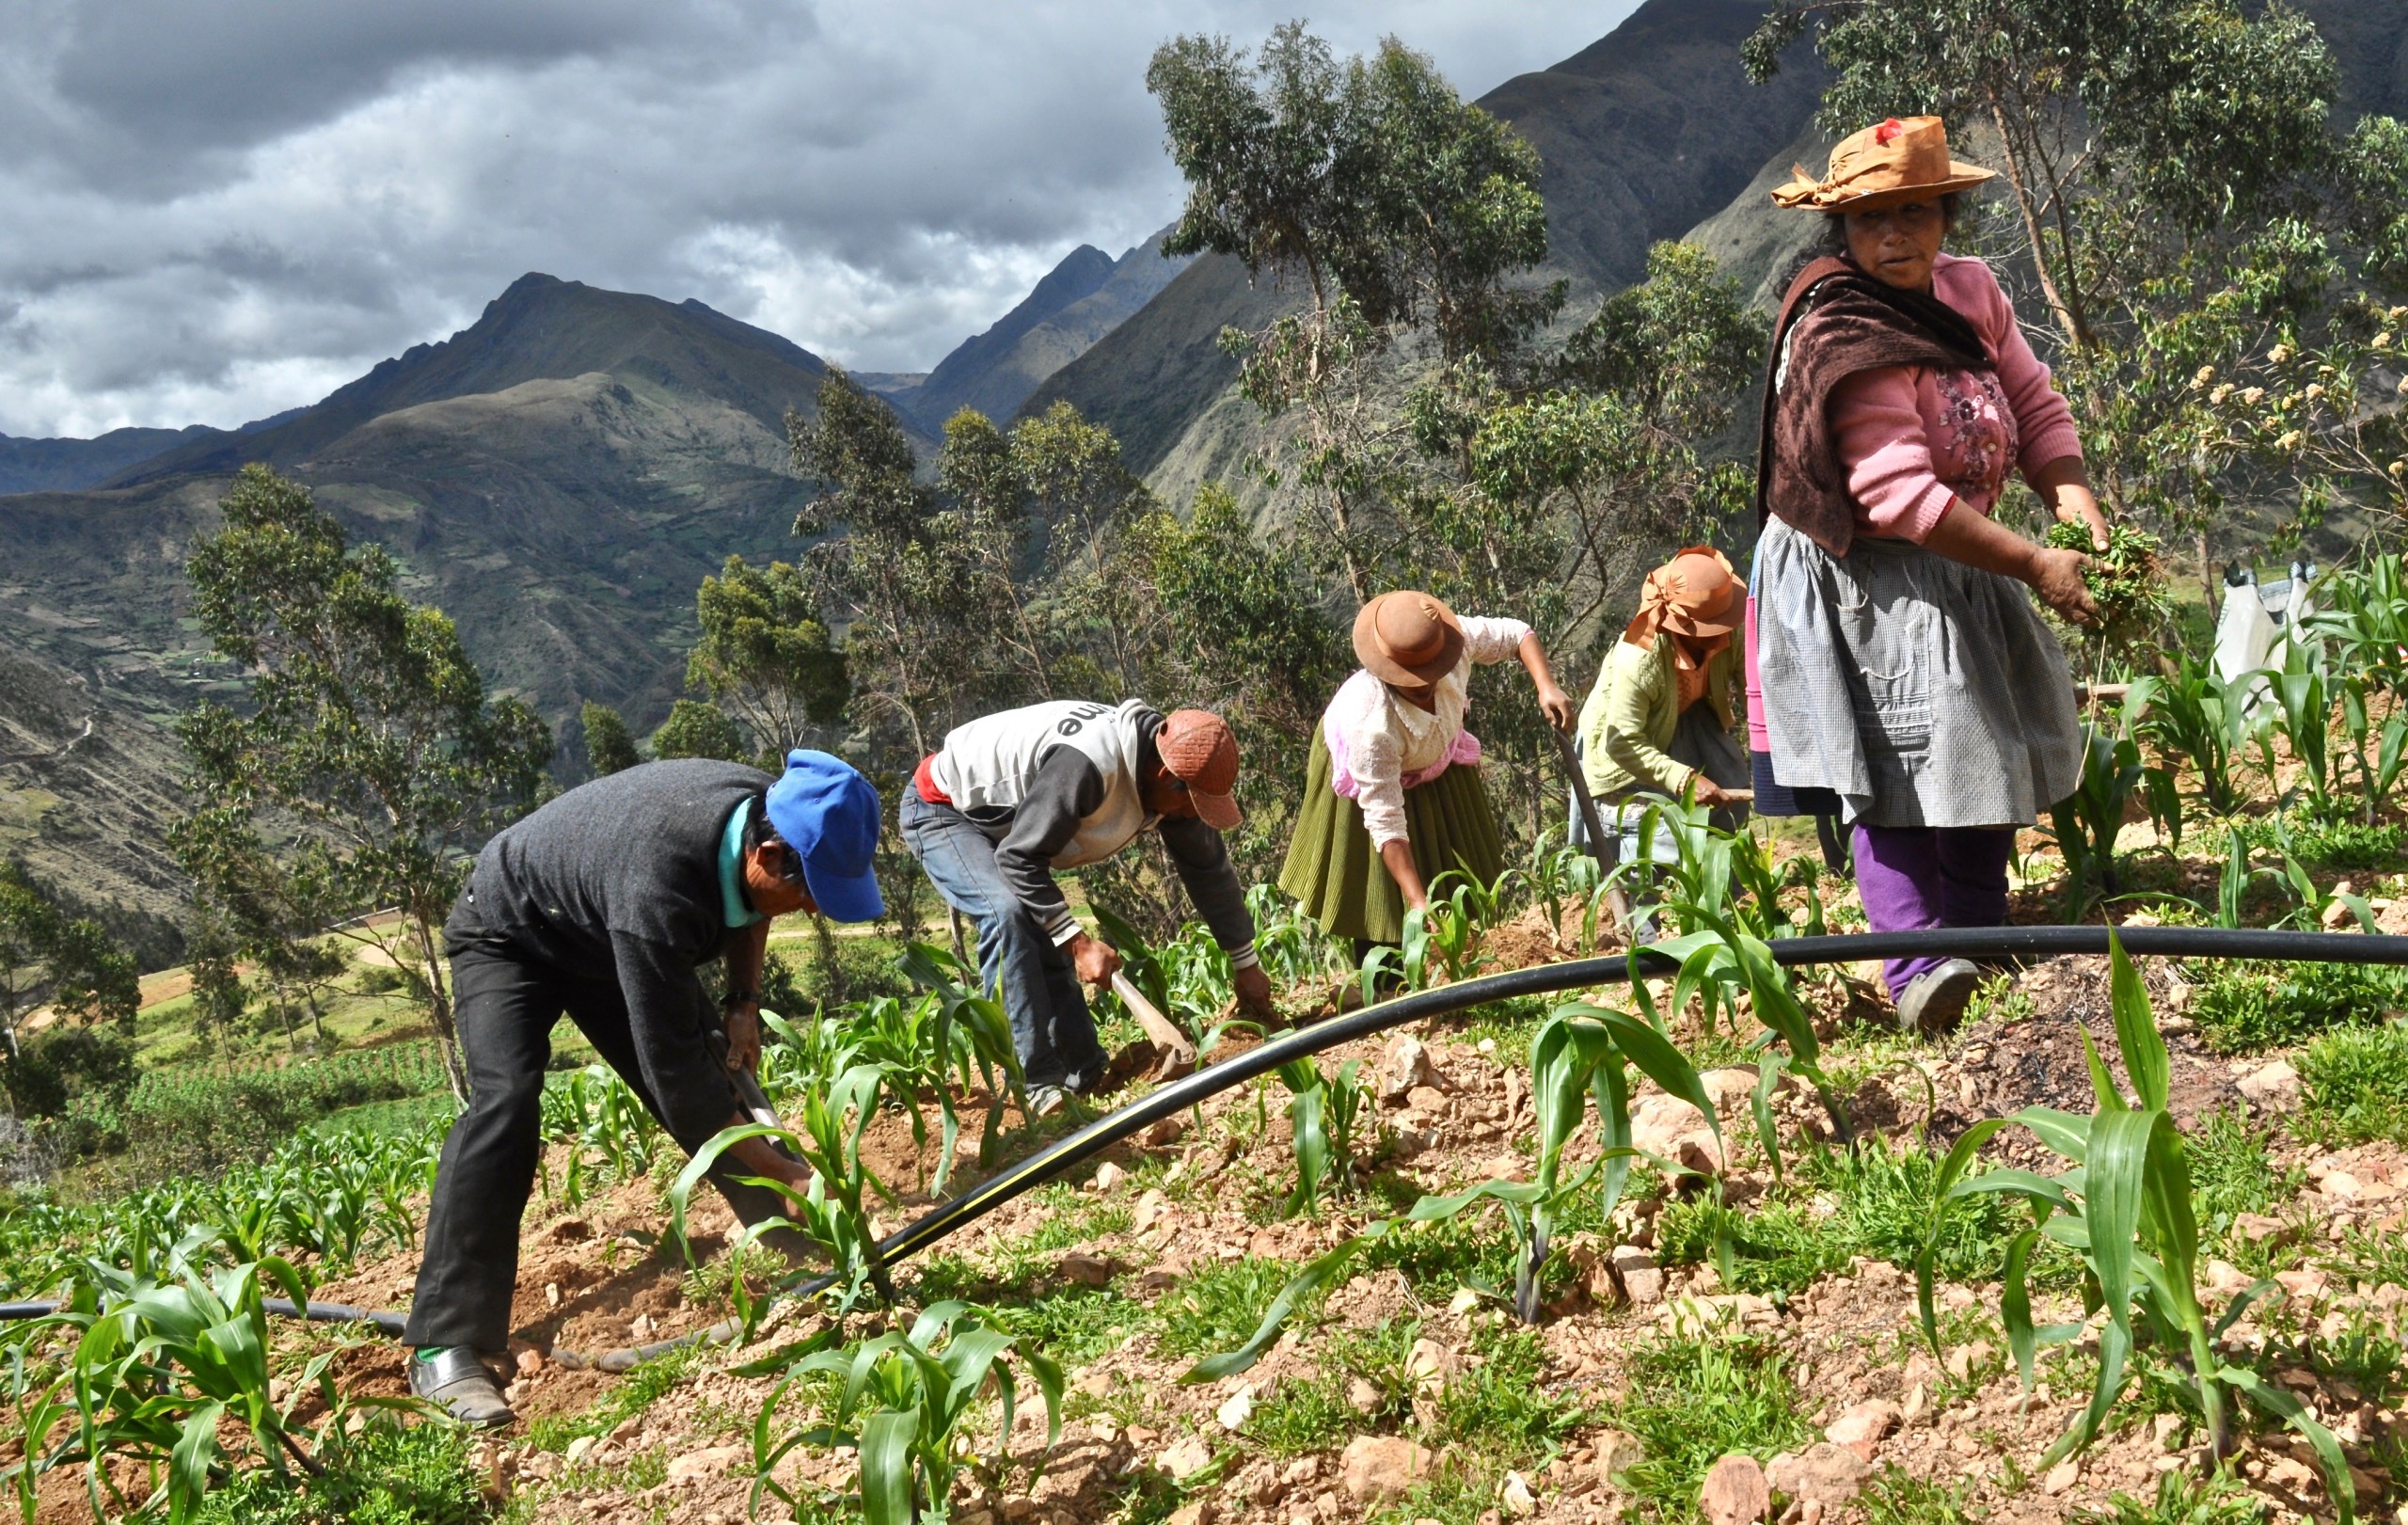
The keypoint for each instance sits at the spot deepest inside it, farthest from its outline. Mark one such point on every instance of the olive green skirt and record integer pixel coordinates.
(1333, 872)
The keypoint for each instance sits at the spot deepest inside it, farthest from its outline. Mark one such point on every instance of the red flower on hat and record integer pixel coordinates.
(1888, 131)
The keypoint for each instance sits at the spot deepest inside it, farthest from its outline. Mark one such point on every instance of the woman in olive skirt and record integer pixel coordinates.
(1393, 797)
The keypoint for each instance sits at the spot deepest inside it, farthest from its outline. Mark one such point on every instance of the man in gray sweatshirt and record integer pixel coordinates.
(602, 905)
(1014, 796)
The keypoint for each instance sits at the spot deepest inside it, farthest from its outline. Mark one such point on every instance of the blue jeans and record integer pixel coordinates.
(1021, 965)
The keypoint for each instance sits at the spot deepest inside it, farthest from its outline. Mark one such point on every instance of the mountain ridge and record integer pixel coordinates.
(1638, 142)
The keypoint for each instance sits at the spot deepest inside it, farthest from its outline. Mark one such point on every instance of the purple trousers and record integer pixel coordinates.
(1915, 877)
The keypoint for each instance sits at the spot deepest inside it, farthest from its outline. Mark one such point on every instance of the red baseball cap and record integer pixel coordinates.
(1197, 749)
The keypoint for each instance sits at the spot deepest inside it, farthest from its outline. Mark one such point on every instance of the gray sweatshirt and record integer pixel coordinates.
(618, 880)
(1055, 785)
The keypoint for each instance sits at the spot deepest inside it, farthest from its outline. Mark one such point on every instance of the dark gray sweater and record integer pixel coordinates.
(618, 880)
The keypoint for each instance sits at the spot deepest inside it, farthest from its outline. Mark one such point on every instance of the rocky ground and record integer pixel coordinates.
(1650, 1390)
(1410, 1392)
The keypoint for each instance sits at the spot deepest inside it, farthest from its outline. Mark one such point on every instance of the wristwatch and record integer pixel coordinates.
(739, 998)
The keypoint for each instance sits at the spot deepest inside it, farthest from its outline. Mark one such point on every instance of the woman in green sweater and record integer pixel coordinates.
(1658, 722)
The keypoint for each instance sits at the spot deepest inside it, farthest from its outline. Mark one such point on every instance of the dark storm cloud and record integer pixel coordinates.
(221, 210)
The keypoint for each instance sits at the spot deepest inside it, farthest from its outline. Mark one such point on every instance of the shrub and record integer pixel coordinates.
(389, 1474)
(2358, 1084)
(2246, 1007)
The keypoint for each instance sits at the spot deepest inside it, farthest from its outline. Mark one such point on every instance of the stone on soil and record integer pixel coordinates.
(1405, 1065)
(2273, 1088)
(1735, 1492)
(1618, 1451)
(1085, 1269)
(1186, 1458)
(1518, 1501)
(1234, 1413)
(1375, 1468)
(1862, 1428)
(1827, 1472)
(712, 1461)
(1671, 1129)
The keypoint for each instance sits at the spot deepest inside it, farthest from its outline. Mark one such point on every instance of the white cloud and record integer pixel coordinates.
(219, 211)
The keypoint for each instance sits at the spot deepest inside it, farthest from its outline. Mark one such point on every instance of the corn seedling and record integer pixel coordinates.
(901, 1408)
(160, 1364)
(970, 1030)
(829, 1139)
(2195, 715)
(1460, 907)
(1562, 875)
(2381, 752)
(1184, 981)
(1725, 896)
(1583, 1049)
(2125, 1205)
(2086, 822)
(2364, 614)
(2300, 712)
(1289, 944)
(1322, 1111)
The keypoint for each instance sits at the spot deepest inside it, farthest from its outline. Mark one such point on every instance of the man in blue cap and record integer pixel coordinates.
(602, 905)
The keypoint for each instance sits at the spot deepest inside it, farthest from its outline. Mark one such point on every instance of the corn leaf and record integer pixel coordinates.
(2136, 1034)
(2339, 1486)
(888, 1489)
(1292, 1296)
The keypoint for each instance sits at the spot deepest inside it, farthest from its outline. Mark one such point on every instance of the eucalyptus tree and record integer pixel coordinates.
(369, 729)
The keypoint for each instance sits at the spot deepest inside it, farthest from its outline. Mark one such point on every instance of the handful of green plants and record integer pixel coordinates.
(2126, 581)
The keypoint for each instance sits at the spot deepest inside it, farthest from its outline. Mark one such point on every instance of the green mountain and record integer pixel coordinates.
(1081, 300)
(1641, 136)
(559, 476)
(66, 465)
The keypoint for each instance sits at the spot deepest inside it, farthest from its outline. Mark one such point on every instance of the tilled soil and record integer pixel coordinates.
(1191, 1193)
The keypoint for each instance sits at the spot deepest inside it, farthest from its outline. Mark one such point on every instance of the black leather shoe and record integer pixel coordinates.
(462, 1385)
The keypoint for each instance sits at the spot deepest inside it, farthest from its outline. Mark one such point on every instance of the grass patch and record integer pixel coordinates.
(2233, 1172)
(2181, 1498)
(2243, 1007)
(1218, 1306)
(2340, 845)
(2356, 1080)
(389, 1474)
(1690, 1403)
(644, 1386)
(1899, 1498)
(1871, 1201)
(1512, 1023)
(1299, 1416)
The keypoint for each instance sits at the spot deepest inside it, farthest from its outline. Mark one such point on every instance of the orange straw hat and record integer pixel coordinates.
(1696, 593)
(1904, 159)
(1408, 638)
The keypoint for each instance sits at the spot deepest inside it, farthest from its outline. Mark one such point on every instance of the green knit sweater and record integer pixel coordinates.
(1632, 713)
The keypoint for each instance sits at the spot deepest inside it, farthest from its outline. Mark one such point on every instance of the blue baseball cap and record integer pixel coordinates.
(829, 814)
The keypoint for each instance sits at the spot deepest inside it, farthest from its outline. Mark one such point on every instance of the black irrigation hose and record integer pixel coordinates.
(1068, 1152)
(386, 1321)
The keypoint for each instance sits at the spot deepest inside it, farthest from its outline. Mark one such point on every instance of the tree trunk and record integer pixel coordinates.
(2018, 180)
(438, 1007)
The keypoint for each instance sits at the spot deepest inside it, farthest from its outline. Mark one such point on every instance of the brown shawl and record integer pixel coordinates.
(1835, 321)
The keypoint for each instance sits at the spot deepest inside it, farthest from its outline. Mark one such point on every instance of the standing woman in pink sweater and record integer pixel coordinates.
(1898, 674)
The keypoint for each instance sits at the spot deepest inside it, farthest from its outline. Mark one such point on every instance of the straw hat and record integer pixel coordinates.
(1696, 594)
(1408, 638)
(1901, 160)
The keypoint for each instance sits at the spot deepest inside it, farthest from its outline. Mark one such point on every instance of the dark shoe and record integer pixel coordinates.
(1044, 1100)
(1935, 1000)
(462, 1385)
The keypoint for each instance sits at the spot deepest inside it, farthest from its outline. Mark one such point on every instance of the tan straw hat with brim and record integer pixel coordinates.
(1904, 159)
(1408, 638)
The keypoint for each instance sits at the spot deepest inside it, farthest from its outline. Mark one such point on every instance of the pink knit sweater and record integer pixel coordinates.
(1913, 438)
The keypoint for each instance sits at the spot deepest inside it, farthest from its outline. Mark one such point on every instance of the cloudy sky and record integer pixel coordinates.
(219, 210)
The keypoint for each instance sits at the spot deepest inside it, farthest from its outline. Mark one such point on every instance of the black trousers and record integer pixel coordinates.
(504, 1008)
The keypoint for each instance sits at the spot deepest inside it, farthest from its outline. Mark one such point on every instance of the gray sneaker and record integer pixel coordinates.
(462, 1385)
(1935, 1000)
(1044, 1100)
